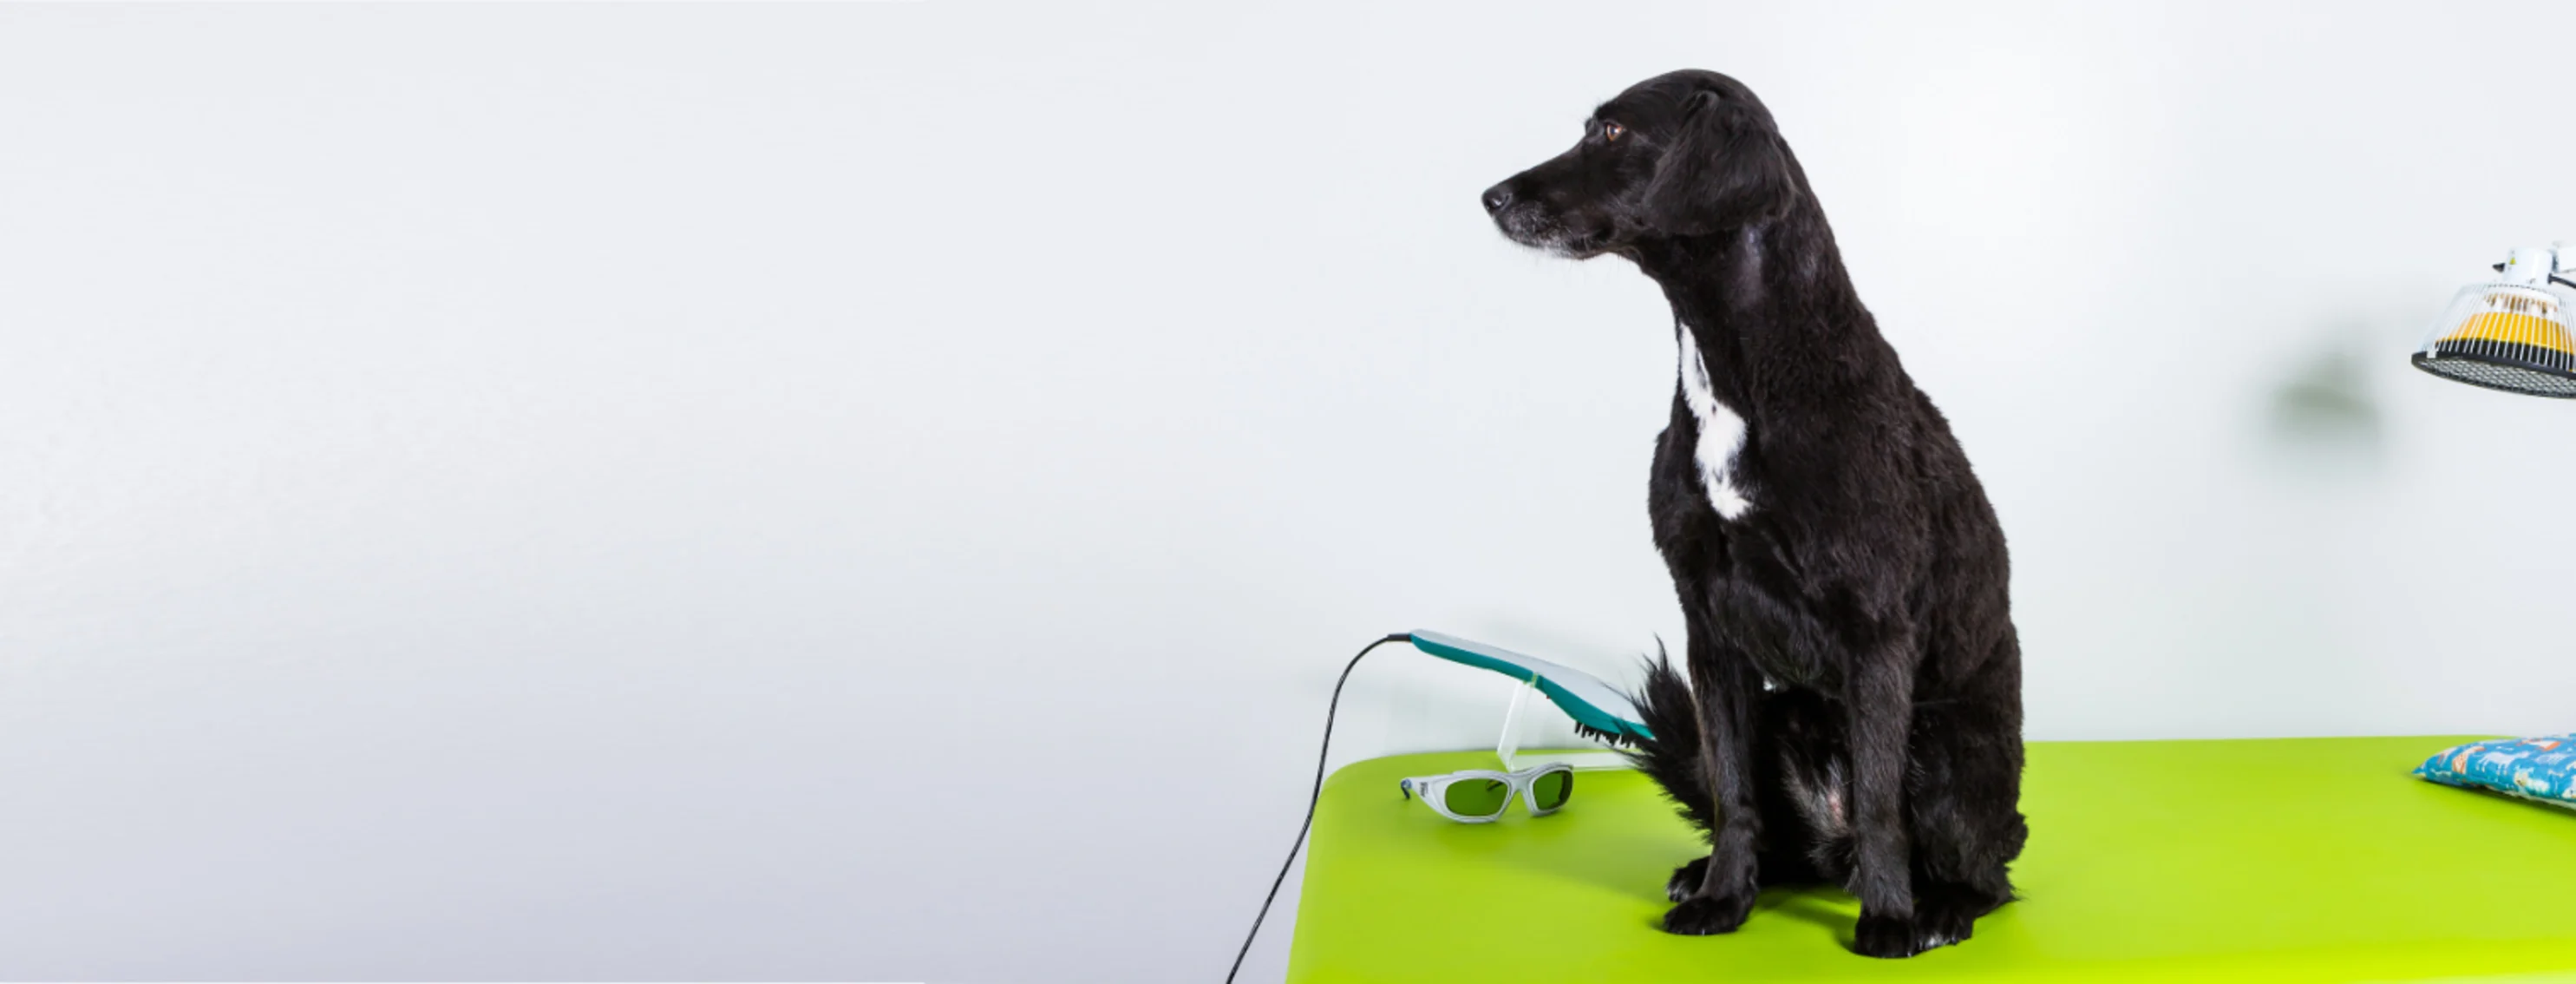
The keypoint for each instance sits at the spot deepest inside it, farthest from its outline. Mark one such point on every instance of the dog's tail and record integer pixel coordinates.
(1672, 757)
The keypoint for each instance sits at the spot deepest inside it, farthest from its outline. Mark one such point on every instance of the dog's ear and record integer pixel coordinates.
(1728, 169)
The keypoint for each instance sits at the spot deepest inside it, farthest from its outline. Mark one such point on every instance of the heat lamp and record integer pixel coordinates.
(2511, 333)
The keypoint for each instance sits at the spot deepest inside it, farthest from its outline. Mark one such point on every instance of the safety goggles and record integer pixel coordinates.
(1479, 795)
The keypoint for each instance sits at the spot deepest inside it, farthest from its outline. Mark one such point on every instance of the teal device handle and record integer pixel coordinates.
(1582, 696)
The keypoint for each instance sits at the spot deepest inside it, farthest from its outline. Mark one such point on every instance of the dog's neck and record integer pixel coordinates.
(1760, 301)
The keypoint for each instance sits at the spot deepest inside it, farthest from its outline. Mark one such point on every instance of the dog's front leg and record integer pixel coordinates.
(1882, 715)
(1724, 683)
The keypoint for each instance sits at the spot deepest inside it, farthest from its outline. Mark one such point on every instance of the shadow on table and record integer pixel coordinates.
(1614, 863)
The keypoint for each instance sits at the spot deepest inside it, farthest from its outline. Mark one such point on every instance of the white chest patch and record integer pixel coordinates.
(1721, 433)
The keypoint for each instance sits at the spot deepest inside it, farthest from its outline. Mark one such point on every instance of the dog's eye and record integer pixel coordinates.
(1612, 131)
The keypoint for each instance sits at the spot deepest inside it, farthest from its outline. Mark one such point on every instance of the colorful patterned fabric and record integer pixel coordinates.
(2541, 769)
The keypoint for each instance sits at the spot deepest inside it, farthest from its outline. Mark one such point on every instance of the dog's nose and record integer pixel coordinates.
(1497, 198)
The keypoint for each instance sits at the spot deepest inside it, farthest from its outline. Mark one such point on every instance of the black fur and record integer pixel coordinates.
(1853, 706)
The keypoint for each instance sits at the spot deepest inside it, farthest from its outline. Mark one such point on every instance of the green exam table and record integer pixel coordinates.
(2257, 860)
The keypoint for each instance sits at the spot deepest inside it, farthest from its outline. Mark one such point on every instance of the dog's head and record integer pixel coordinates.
(1689, 153)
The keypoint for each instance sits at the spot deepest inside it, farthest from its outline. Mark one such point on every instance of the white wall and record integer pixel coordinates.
(882, 490)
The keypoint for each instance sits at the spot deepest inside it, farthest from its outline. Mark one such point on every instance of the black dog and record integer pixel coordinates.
(1857, 716)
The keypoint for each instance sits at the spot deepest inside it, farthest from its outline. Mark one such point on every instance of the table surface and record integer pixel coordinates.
(2311, 859)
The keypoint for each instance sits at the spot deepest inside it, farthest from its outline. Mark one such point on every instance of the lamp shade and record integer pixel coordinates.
(2509, 335)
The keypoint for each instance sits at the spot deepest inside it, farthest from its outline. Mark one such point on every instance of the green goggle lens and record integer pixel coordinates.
(1552, 789)
(1477, 797)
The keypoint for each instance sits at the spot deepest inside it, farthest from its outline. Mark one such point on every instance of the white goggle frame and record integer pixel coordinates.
(1434, 789)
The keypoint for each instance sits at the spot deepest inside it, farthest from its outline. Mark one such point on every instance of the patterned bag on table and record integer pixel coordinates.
(2542, 769)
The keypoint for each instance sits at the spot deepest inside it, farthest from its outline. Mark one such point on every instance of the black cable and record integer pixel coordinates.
(1330, 709)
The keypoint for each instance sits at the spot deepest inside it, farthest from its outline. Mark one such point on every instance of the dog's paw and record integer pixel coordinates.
(1686, 879)
(1708, 915)
(1946, 914)
(1886, 937)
